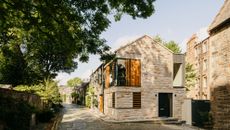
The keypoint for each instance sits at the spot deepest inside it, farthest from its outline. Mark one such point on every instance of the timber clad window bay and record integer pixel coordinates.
(123, 72)
(136, 99)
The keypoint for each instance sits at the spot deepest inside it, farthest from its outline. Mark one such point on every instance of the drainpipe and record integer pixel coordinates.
(103, 86)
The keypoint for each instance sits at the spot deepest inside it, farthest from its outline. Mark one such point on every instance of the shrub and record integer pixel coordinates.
(88, 101)
(47, 91)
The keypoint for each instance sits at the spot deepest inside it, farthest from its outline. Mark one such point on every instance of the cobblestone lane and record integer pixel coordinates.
(79, 118)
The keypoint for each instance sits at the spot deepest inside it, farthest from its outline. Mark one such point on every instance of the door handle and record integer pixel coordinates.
(162, 109)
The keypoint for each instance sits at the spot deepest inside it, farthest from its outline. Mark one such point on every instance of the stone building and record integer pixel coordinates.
(219, 31)
(65, 93)
(198, 54)
(144, 81)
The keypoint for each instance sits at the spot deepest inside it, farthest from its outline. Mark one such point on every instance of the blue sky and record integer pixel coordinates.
(173, 20)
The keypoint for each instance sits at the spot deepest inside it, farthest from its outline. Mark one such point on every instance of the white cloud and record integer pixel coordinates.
(202, 34)
(123, 41)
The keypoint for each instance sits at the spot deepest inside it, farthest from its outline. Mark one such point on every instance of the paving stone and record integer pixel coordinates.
(83, 119)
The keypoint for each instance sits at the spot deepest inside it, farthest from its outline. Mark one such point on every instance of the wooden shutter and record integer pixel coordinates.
(133, 72)
(107, 76)
(136, 99)
(101, 104)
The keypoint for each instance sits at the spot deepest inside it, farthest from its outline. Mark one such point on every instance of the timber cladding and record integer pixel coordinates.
(113, 100)
(107, 77)
(133, 72)
(101, 104)
(136, 99)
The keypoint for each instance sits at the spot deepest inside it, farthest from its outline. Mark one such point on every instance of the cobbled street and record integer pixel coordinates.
(81, 118)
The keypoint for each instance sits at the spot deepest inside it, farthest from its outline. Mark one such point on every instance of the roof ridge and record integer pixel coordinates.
(132, 42)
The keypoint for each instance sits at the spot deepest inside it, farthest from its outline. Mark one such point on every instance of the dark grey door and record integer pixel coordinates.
(165, 104)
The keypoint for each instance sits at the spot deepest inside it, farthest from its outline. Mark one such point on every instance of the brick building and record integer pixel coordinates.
(145, 81)
(198, 54)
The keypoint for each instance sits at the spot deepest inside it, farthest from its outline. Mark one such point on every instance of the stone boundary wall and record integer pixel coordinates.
(32, 99)
(220, 107)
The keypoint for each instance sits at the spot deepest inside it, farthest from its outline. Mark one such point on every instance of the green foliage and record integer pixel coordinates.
(15, 114)
(88, 101)
(47, 91)
(90, 93)
(190, 76)
(171, 45)
(90, 90)
(74, 82)
(13, 67)
(107, 57)
(74, 96)
(157, 38)
(49, 35)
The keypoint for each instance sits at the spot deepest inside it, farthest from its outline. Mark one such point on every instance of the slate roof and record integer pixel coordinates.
(222, 16)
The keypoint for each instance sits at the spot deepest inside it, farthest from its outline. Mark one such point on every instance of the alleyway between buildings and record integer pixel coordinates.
(80, 118)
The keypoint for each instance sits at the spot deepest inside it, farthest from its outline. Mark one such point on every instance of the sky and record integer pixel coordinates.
(172, 20)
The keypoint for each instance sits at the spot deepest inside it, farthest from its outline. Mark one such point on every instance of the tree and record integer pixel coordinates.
(48, 91)
(157, 38)
(52, 34)
(74, 82)
(171, 45)
(190, 76)
(107, 57)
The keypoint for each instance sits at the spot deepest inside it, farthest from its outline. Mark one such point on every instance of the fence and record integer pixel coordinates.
(196, 112)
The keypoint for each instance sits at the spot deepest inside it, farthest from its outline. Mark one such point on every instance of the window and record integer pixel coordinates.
(136, 99)
(195, 52)
(113, 99)
(205, 82)
(205, 65)
(205, 46)
(129, 73)
(123, 72)
(177, 74)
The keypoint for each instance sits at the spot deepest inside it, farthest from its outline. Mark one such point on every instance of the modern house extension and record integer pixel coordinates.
(144, 81)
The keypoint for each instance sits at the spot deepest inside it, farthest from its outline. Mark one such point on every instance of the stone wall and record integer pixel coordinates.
(220, 56)
(32, 99)
(156, 77)
(220, 76)
(221, 107)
